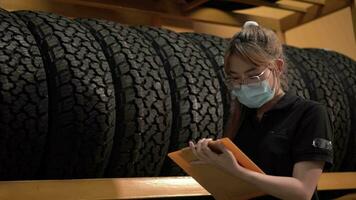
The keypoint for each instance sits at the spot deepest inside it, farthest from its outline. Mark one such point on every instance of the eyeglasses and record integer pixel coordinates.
(232, 83)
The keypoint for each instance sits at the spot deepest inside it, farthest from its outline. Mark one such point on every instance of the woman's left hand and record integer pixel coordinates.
(224, 160)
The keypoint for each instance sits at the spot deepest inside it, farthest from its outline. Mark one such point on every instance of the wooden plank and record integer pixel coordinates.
(149, 11)
(71, 11)
(337, 181)
(212, 15)
(282, 36)
(284, 20)
(121, 188)
(269, 4)
(320, 2)
(334, 5)
(194, 4)
(209, 15)
(134, 188)
(303, 6)
(272, 18)
(353, 15)
(40, 5)
(310, 10)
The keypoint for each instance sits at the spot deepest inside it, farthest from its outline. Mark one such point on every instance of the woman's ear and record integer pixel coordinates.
(280, 65)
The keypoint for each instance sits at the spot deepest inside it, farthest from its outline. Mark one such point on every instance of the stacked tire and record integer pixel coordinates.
(89, 98)
(23, 101)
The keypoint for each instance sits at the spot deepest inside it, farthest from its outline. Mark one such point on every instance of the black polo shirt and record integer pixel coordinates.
(293, 130)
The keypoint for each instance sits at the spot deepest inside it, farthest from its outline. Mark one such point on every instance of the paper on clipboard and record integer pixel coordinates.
(221, 184)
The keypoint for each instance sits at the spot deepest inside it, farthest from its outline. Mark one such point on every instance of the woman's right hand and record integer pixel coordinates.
(222, 157)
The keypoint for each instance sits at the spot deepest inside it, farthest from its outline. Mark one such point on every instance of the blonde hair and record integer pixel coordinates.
(255, 44)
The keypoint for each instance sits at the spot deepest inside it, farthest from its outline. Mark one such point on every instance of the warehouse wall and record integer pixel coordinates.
(333, 32)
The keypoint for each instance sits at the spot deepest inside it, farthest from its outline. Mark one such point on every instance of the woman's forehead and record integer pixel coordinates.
(238, 65)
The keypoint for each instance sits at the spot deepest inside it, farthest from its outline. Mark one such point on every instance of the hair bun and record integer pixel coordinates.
(250, 23)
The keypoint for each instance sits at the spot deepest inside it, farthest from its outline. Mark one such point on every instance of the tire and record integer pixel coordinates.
(345, 68)
(195, 91)
(23, 101)
(292, 80)
(325, 87)
(214, 48)
(144, 114)
(81, 97)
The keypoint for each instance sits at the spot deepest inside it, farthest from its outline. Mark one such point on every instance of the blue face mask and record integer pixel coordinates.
(254, 95)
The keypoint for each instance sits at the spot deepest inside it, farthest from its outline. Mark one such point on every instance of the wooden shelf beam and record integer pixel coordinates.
(269, 4)
(134, 188)
(194, 4)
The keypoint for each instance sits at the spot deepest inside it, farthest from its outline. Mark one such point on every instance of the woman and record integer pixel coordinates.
(288, 137)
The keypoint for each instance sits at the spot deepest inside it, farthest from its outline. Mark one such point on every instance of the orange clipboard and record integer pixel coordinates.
(221, 185)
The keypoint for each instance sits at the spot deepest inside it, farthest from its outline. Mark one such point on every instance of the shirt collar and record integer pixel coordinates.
(285, 102)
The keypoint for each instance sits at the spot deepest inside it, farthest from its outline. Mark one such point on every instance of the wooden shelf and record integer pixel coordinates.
(280, 16)
(134, 188)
